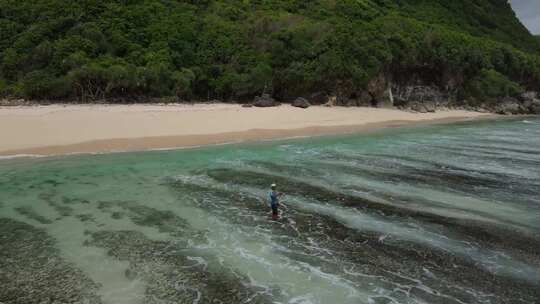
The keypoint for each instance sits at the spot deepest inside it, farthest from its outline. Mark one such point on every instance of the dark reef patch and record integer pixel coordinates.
(483, 232)
(85, 217)
(68, 201)
(117, 215)
(304, 233)
(399, 168)
(32, 271)
(164, 221)
(49, 198)
(30, 213)
(173, 275)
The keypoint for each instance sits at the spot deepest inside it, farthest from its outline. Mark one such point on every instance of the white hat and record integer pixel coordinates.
(273, 185)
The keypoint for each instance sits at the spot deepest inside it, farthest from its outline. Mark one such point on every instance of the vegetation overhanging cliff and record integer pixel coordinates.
(236, 49)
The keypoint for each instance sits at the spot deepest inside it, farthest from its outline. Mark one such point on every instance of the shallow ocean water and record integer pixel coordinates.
(428, 214)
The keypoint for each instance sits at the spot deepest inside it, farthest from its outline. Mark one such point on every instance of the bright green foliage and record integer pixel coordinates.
(235, 49)
(492, 84)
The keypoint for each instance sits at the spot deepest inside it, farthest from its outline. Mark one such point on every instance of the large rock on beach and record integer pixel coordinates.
(529, 96)
(531, 102)
(508, 106)
(301, 102)
(418, 107)
(534, 107)
(265, 101)
(318, 98)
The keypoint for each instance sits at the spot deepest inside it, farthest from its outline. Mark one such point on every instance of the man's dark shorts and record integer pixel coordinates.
(274, 209)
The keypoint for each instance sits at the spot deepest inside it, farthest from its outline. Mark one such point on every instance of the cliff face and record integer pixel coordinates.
(355, 50)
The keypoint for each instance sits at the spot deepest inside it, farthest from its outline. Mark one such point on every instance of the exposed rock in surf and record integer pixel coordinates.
(301, 102)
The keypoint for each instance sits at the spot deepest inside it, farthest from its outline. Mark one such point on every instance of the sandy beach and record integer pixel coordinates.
(59, 129)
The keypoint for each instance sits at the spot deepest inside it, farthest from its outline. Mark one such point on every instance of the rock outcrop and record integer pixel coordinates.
(420, 98)
(265, 101)
(381, 92)
(509, 106)
(531, 102)
(301, 102)
(386, 100)
(318, 98)
(535, 108)
(429, 98)
(527, 103)
(364, 99)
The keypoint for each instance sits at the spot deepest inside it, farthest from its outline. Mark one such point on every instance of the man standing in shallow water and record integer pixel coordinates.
(274, 201)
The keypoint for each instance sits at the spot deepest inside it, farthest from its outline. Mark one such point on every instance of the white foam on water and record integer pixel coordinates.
(254, 253)
(335, 183)
(15, 156)
(257, 255)
(493, 261)
(447, 203)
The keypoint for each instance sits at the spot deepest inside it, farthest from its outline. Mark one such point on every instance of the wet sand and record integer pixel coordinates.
(59, 129)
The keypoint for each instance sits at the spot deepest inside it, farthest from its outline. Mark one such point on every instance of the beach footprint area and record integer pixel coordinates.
(427, 214)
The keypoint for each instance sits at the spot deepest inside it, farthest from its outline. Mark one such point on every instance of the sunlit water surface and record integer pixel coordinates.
(431, 214)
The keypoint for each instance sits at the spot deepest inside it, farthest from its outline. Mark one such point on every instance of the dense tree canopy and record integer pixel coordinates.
(235, 49)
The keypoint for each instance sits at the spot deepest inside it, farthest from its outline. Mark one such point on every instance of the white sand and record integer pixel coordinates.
(58, 129)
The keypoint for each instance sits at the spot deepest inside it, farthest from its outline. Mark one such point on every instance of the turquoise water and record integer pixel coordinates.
(431, 214)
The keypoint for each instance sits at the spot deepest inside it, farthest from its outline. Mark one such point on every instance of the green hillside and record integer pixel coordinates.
(235, 49)
(492, 19)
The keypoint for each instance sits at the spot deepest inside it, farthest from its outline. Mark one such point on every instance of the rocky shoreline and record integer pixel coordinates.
(411, 98)
(417, 98)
